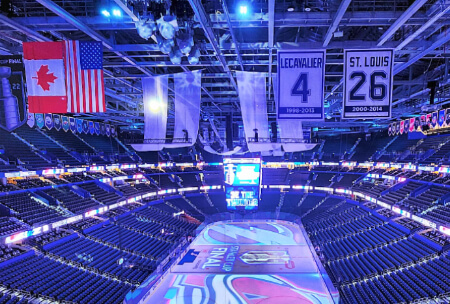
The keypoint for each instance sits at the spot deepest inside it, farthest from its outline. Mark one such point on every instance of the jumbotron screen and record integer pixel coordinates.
(238, 173)
(242, 181)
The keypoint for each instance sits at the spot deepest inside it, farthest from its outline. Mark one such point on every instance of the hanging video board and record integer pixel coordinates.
(242, 183)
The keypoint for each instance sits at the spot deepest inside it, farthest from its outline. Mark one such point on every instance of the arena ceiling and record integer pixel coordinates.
(417, 30)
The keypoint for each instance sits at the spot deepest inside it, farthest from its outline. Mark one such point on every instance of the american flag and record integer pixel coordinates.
(84, 76)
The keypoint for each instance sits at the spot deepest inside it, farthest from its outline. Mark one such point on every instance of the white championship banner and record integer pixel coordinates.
(368, 83)
(300, 84)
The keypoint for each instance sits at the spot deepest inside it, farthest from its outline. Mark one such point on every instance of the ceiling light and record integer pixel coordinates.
(154, 105)
(307, 9)
(106, 13)
(291, 8)
(117, 13)
(243, 9)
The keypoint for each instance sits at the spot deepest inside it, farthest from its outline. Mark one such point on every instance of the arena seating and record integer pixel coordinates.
(41, 275)
(372, 254)
(28, 209)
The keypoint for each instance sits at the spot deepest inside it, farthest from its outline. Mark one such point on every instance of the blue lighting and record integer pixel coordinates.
(243, 9)
(117, 13)
(106, 13)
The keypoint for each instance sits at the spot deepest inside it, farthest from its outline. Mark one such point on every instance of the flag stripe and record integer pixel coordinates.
(102, 93)
(90, 91)
(68, 77)
(39, 104)
(43, 50)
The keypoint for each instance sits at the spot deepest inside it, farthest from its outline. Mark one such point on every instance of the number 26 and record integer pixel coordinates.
(373, 94)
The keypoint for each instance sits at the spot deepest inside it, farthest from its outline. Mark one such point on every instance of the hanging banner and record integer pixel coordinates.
(113, 130)
(396, 128)
(57, 121)
(428, 120)
(102, 129)
(30, 120)
(406, 126)
(97, 128)
(39, 117)
(48, 121)
(368, 83)
(390, 130)
(434, 120)
(412, 124)
(91, 127)
(447, 117)
(65, 123)
(13, 112)
(108, 130)
(85, 126)
(402, 125)
(73, 125)
(300, 85)
(441, 118)
(79, 125)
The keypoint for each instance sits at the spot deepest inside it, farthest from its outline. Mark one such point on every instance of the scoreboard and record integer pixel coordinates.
(242, 183)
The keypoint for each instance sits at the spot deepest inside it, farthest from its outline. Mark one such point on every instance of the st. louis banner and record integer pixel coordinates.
(300, 84)
(368, 83)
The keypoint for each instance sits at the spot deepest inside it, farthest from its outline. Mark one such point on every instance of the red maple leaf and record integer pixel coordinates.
(45, 78)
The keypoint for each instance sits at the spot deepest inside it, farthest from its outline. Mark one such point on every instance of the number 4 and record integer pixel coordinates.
(301, 87)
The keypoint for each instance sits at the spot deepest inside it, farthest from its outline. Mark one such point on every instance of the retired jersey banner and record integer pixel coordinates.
(402, 126)
(108, 129)
(447, 117)
(300, 84)
(368, 83)
(406, 127)
(102, 129)
(390, 130)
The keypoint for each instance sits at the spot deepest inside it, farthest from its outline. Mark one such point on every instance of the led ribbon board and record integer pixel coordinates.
(368, 83)
(300, 85)
(242, 183)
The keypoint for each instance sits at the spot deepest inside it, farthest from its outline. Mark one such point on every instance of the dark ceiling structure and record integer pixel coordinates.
(228, 41)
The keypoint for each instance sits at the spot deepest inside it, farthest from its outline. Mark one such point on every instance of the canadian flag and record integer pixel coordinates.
(45, 74)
